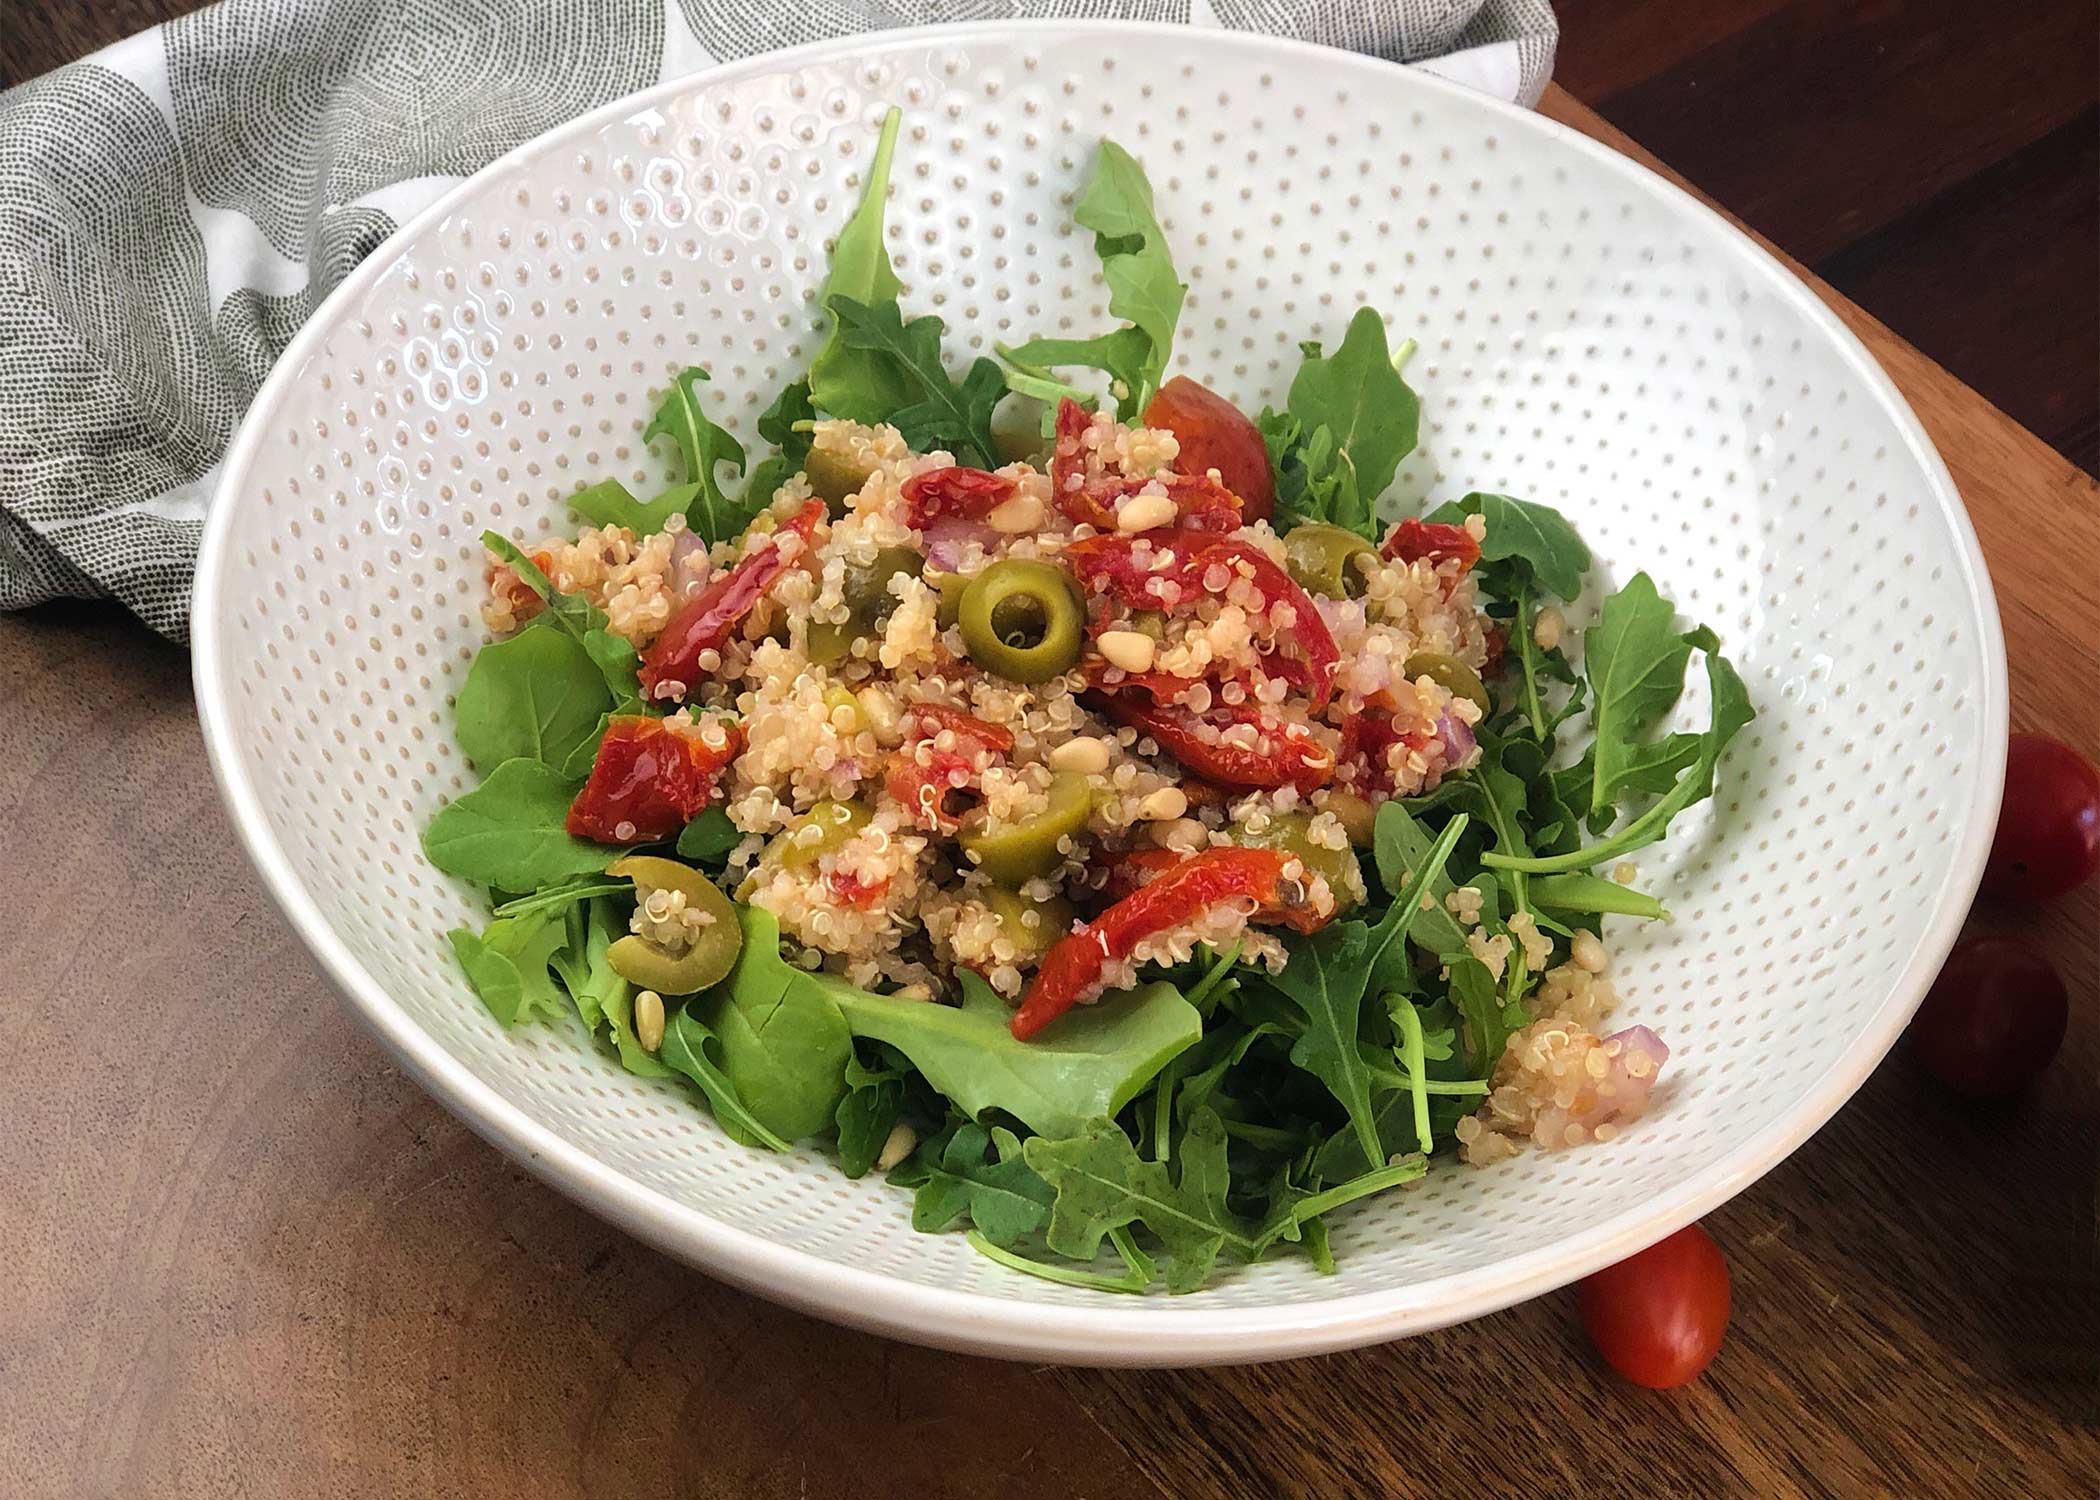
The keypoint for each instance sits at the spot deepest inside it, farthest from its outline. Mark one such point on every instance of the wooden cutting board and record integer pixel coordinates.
(245, 1256)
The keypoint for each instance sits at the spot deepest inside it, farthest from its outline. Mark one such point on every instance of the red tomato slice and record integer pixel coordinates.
(1215, 434)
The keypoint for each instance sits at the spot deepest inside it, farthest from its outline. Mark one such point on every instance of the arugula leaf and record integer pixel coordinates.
(1102, 1184)
(862, 385)
(940, 413)
(1088, 1063)
(1731, 711)
(1635, 661)
(603, 999)
(713, 516)
(610, 503)
(1293, 1215)
(1328, 974)
(1138, 1273)
(511, 832)
(1590, 893)
(568, 893)
(508, 963)
(536, 696)
(979, 1175)
(1526, 543)
(1410, 1050)
(783, 1042)
(866, 1116)
(709, 837)
(1143, 289)
(1489, 1017)
(1122, 355)
(1370, 419)
(787, 425)
(1400, 844)
(687, 1047)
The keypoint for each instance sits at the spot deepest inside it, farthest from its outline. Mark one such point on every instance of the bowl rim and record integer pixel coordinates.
(1114, 1331)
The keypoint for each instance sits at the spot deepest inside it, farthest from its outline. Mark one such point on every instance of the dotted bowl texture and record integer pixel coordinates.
(1590, 338)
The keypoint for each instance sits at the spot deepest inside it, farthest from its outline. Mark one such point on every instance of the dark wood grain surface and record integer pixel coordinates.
(245, 1256)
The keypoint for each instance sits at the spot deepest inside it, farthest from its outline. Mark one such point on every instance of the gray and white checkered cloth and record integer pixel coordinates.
(173, 207)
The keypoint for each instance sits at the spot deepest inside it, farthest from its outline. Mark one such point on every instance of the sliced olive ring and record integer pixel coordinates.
(869, 602)
(1452, 675)
(1016, 852)
(1022, 621)
(710, 954)
(1292, 833)
(835, 477)
(1031, 925)
(1323, 559)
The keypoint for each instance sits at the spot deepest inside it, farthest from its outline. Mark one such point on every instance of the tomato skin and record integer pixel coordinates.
(1993, 1019)
(1071, 970)
(2048, 839)
(1289, 755)
(1215, 434)
(1659, 1317)
(971, 494)
(1432, 542)
(649, 780)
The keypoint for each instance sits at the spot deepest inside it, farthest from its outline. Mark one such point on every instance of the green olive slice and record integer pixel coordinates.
(1031, 925)
(1357, 815)
(1323, 559)
(1015, 852)
(1452, 675)
(1292, 833)
(1020, 620)
(834, 477)
(687, 969)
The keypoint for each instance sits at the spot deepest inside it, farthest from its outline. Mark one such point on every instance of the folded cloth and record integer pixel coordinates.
(173, 207)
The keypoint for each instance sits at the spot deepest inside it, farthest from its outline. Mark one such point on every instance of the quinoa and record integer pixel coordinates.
(898, 903)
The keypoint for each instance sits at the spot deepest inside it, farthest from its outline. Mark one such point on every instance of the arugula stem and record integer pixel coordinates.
(1403, 1012)
(1066, 1275)
(1638, 834)
(1527, 646)
(1402, 355)
(1141, 1265)
(562, 895)
(1268, 1137)
(1407, 901)
(1216, 975)
(1163, 1108)
(1407, 1169)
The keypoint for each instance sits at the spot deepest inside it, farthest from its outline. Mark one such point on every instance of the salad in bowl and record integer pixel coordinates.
(1060, 790)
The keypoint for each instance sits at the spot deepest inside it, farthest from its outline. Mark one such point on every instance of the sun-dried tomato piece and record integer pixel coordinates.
(1215, 434)
(650, 778)
(1163, 570)
(1432, 542)
(1230, 744)
(1258, 881)
(1362, 764)
(945, 752)
(849, 889)
(671, 666)
(965, 494)
(1200, 502)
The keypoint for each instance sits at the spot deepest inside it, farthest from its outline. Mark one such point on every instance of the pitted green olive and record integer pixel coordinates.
(707, 948)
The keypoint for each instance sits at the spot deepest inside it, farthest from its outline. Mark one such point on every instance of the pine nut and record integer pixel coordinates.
(1587, 952)
(1082, 753)
(1132, 650)
(1167, 803)
(649, 1019)
(1143, 512)
(902, 1139)
(880, 710)
(1546, 629)
(1625, 872)
(1017, 516)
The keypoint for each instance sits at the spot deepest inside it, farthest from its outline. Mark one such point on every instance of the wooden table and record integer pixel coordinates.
(245, 1256)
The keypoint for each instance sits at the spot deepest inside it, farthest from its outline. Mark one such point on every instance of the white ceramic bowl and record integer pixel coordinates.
(1590, 337)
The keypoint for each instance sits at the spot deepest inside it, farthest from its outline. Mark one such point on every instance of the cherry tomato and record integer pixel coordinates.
(1992, 1020)
(1658, 1318)
(2049, 828)
(1215, 434)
